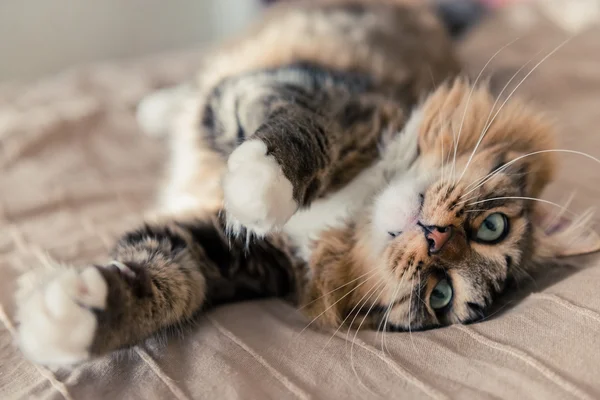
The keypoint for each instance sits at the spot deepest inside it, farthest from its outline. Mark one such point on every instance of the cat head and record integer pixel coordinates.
(456, 222)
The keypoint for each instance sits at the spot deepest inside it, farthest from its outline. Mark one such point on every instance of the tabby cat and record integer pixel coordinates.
(334, 156)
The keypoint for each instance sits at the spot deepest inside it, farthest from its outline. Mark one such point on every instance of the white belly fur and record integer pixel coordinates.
(333, 210)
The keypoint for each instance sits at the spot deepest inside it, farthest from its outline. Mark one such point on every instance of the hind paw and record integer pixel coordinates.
(57, 319)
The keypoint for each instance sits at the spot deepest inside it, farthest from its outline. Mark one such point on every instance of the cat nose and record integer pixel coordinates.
(437, 236)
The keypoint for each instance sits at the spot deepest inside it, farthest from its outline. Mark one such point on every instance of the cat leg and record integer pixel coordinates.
(161, 276)
(299, 155)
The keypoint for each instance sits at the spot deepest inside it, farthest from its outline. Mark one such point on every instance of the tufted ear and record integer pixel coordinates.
(534, 172)
(561, 236)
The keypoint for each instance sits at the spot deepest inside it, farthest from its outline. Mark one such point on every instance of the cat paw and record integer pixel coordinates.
(258, 196)
(57, 320)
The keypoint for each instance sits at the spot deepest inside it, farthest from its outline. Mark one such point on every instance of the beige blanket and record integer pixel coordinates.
(75, 172)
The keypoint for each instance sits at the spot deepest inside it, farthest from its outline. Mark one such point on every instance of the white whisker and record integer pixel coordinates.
(349, 315)
(387, 317)
(522, 198)
(508, 164)
(358, 330)
(495, 312)
(495, 103)
(337, 301)
(469, 99)
(336, 289)
(507, 99)
(442, 158)
(372, 291)
(418, 294)
(559, 214)
(412, 284)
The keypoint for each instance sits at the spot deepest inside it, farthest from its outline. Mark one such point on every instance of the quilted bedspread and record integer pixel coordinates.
(75, 172)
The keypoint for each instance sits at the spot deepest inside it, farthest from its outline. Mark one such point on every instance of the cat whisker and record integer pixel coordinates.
(559, 214)
(485, 125)
(486, 128)
(467, 200)
(332, 305)
(336, 289)
(508, 164)
(412, 283)
(433, 85)
(471, 94)
(387, 318)
(517, 198)
(418, 294)
(358, 330)
(520, 270)
(346, 318)
(451, 171)
(495, 312)
(581, 220)
(363, 301)
(387, 315)
(442, 159)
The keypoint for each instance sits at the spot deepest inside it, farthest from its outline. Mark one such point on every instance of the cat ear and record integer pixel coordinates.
(564, 236)
(533, 173)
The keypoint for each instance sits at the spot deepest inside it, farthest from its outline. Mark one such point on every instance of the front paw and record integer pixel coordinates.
(258, 196)
(57, 323)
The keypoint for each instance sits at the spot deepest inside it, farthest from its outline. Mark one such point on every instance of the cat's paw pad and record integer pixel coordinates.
(57, 321)
(258, 196)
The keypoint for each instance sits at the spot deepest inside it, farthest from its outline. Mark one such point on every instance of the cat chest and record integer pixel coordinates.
(334, 210)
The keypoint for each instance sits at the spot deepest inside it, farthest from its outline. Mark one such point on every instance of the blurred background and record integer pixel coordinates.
(41, 37)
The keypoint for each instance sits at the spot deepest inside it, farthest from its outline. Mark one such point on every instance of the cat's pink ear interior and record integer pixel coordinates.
(563, 235)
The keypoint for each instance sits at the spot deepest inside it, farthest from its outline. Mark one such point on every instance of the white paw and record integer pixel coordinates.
(257, 194)
(57, 325)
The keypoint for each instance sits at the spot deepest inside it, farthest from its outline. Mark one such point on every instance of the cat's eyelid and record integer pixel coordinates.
(481, 215)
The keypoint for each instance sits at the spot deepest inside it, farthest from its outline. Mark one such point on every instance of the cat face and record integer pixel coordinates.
(447, 233)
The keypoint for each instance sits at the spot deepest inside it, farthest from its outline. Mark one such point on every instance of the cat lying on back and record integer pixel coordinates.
(316, 159)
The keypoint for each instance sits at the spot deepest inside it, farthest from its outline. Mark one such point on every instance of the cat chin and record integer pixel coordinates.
(395, 210)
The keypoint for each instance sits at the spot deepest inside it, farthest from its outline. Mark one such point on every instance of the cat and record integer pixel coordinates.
(335, 156)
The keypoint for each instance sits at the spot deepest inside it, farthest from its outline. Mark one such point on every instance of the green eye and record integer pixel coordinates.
(493, 229)
(441, 295)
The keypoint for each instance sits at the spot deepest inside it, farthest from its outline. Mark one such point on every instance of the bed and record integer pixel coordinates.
(75, 172)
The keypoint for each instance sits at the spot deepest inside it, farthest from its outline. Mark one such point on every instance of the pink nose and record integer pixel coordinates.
(437, 237)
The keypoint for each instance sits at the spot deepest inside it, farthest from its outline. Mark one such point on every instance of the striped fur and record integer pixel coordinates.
(314, 159)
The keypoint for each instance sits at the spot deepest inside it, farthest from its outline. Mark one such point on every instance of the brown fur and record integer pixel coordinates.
(401, 37)
(515, 131)
(289, 32)
(365, 65)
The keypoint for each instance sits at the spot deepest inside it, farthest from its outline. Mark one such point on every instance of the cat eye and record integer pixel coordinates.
(493, 229)
(394, 234)
(441, 295)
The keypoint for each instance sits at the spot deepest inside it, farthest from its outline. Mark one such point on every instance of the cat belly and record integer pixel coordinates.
(334, 210)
